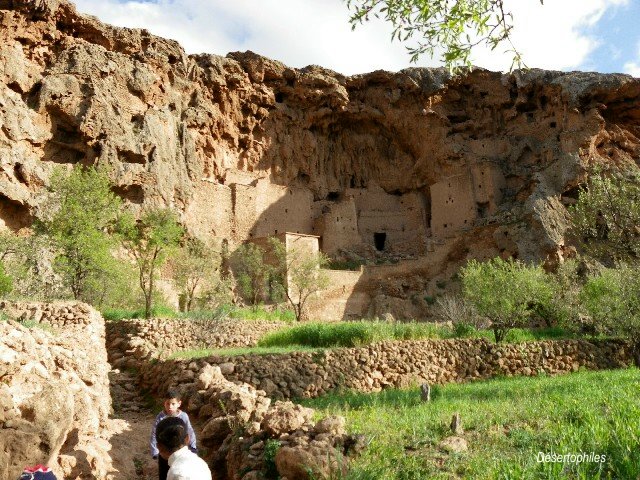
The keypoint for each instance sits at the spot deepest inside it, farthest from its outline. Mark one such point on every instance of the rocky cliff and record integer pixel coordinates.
(245, 146)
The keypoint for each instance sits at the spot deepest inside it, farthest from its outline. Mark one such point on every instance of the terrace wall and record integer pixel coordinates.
(386, 364)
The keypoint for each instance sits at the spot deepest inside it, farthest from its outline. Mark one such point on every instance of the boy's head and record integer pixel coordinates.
(172, 402)
(171, 435)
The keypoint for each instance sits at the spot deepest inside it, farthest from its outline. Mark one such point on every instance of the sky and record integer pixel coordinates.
(588, 35)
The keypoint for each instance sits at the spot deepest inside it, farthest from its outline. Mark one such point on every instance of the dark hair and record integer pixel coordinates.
(171, 433)
(172, 393)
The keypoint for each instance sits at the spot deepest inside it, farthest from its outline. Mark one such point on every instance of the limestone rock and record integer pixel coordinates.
(454, 444)
(308, 150)
(209, 375)
(310, 463)
(285, 417)
(54, 403)
(334, 425)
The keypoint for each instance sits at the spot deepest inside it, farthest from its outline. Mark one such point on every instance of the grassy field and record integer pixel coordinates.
(353, 334)
(258, 313)
(318, 336)
(232, 352)
(507, 422)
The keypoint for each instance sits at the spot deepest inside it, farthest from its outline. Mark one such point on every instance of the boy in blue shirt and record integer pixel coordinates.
(172, 403)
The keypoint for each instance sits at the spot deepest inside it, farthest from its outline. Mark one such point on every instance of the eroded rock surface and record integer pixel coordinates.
(54, 394)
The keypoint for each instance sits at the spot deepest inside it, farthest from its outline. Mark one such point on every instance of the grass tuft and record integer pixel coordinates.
(349, 334)
(220, 313)
(234, 352)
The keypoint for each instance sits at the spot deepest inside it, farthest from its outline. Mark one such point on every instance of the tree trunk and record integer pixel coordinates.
(636, 354)
(148, 303)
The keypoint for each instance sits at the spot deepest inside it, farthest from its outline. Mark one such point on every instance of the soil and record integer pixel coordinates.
(129, 428)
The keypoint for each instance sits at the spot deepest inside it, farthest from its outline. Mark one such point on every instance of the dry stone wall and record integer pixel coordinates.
(54, 390)
(232, 396)
(131, 341)
(238, 419)
(395, 364)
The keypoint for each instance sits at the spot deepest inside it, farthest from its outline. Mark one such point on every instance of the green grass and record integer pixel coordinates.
(353, 334)
(225, 311)
(349, 334)
(517, 335)
(117, 314)
(233, 352)
(506, 421)
(260, 313)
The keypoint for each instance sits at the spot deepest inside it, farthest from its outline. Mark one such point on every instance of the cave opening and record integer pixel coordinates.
(483, 209)
(379, 239)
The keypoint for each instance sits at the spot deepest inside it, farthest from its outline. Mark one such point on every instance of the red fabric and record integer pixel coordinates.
(37, 468)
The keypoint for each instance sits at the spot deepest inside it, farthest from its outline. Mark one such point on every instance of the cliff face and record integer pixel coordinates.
(244, 146)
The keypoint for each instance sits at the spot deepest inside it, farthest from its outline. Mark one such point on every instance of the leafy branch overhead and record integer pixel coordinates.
(457, 27)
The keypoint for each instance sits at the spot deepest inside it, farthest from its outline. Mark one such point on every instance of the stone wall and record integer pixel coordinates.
(133, 341)
(397, 364)
(54, 397)
(232, 396)
(237, 418)
(238, 421)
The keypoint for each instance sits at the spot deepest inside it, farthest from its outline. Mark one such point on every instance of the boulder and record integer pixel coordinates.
(285, 417)
(310, 462)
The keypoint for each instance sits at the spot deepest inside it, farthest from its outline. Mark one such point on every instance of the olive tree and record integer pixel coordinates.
(606, 218)
(78, 216)
(252, 272)
(612, 299)
(300, 273)
(505, 291)
(195, 267)
(149, 241)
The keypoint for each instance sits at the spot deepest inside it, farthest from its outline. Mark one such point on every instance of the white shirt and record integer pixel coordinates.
(186, 465)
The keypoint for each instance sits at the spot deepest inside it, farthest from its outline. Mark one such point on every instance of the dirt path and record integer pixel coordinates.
(129, 429)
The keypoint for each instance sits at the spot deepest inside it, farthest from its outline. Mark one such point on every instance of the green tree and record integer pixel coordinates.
(612, 299)
(196, 266)
(300, 275)
(12, 261)
(149, 241)
(78, 216)
(606, 218)
(457, 26)
(505, 291)
(6, 282)
(251, 272)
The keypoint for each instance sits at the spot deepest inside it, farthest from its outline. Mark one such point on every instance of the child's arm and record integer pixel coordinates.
(153, 443)
(192, 434)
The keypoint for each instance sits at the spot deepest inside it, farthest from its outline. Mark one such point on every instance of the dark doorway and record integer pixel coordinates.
(379, 239)
(483, 209)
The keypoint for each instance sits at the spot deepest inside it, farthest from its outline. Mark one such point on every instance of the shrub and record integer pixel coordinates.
(456, 309)
(612, 298)
(505, 291)
(271, 448)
